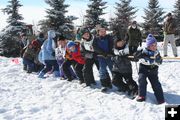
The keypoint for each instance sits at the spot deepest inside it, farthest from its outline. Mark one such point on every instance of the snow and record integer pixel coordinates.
(25, 97)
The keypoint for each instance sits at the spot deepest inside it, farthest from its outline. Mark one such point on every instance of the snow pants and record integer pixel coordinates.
(88, 71)
(150, 72)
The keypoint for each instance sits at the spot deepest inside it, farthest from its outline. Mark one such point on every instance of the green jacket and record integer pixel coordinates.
(134, 37)
(30, 53)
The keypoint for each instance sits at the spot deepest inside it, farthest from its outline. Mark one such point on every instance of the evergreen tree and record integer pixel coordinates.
(124, 15)
(57, 20)
(153, 17)
(9, 41)
(94, 12)
(177, 15)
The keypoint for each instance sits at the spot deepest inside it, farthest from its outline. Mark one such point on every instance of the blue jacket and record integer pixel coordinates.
(48, 47)
(103, 45)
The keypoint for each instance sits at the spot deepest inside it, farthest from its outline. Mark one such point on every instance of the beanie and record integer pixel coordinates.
(61, 38)
(70, 44)
(150, 40)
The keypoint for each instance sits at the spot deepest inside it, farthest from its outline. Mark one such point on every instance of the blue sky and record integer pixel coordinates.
(34, 10)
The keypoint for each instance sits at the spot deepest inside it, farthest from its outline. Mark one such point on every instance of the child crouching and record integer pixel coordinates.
(122, 69)
(60, 54)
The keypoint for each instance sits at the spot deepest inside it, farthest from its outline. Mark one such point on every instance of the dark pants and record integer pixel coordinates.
(49, 65)
(69, 73)
(150, 72)
(124, 82)
(29, 63)
(88, 71)
(132, 49)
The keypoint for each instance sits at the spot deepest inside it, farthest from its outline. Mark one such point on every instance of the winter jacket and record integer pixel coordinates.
(30, 53)
(169, 26)
(150, 58)
(103, 45)
(134, 37)
(60, 53)
(48, 48)
(77, 55)
(87, 49)
(121, 63)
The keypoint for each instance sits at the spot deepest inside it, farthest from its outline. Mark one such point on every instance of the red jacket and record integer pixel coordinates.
(77, 55)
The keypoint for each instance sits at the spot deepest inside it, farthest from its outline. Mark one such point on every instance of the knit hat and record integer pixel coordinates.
(70, 44)
(150, 40)
(84, 30)
(61, 38)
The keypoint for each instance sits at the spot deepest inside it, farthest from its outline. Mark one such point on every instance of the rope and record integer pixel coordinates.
(173, 58)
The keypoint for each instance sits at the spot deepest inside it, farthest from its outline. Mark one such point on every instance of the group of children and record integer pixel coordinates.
(74, 60)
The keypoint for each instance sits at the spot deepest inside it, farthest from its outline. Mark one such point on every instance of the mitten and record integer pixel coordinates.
(158, 59)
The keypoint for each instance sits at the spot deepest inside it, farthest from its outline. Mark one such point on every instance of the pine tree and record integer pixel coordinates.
(124, 15)
(57, 20)
(153, 17)
(177, 15)
(94, 12)
(9, 41)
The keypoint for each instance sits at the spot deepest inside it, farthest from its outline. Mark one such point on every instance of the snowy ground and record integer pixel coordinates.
(25, 97)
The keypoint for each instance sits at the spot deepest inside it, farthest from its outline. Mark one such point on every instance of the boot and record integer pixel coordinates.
(140, 99)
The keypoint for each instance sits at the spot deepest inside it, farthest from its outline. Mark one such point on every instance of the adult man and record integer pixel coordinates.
(169, 31)
(133, 37)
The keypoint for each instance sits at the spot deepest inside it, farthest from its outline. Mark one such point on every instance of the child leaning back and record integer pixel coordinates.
(149, 60)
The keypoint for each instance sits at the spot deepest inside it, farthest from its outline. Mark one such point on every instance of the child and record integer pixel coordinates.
(77, 60)
(48, 57)
(149, 60)
(60, 54)
(122, 69)
(30, 55)
(103, 45)
(88, 53)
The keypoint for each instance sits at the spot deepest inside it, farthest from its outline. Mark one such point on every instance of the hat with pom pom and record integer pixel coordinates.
(150, 40)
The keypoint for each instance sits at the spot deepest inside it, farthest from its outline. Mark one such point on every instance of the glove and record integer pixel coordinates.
(158, 59)
(104, 54)
(137, 54)
(121, 53)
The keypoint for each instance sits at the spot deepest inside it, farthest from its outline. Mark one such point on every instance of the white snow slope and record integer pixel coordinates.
(25, 97)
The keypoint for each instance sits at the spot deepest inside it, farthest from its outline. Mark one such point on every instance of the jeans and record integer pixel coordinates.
(103, 64)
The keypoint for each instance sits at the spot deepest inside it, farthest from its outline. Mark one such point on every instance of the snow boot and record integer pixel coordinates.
(140, 99)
